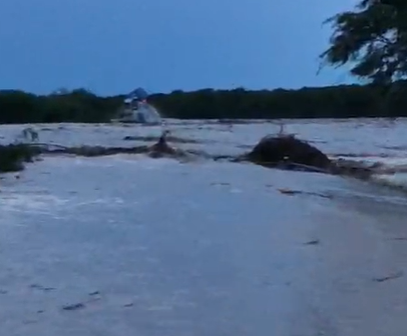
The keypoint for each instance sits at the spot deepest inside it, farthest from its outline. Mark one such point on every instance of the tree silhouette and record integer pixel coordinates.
(372, 39)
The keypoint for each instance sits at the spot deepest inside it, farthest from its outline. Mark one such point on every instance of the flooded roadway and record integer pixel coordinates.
(134, 246)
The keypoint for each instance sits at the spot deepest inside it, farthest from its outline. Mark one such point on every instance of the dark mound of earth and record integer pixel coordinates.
(274, 151)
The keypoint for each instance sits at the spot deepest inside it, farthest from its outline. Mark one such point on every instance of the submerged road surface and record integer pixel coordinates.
(131, 246)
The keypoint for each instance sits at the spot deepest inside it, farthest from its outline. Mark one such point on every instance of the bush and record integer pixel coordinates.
(13, 157)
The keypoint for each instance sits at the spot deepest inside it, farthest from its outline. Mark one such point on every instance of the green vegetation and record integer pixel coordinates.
(328, 102)
(372, 39)
(13, 157)
(75, 106)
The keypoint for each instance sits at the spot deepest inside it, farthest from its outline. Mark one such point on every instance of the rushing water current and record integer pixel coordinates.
(128, 245)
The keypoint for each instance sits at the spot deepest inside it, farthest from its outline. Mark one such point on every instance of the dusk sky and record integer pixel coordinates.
(112, 47)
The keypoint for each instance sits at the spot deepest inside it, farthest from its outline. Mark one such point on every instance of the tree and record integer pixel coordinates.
(372, 39)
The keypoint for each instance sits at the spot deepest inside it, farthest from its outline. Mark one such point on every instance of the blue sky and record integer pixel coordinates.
(112, 47)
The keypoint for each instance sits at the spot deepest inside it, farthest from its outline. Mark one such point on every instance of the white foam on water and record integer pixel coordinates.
(31, 203)
(398, 180)
(391, 162)
(398, 167)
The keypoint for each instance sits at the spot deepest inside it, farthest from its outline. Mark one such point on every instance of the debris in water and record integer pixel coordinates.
(161, 147)
(128, 305)
(94, 296)
(282, 150)
(288, 191)
(296, 192)
(40, 287)
(390, 277)
(289, 153)
(154, 138)
(312, 242)
(94, 293)
(74, 306)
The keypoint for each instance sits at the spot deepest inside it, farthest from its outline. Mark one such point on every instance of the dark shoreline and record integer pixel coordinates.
(82, 106)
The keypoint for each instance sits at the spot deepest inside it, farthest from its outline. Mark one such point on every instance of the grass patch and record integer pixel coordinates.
(13, 157)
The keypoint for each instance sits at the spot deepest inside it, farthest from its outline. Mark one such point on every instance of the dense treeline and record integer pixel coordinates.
(74, 106)
(328, 102)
